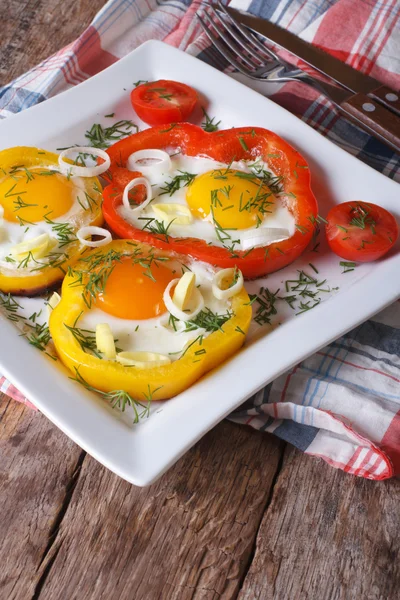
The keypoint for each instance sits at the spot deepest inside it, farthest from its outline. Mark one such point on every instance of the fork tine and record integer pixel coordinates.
(249, 36)
(222, 35)
(222, 49)
(251, 58)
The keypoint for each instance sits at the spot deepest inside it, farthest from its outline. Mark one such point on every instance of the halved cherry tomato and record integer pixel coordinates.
(164, 101)
(360, 231)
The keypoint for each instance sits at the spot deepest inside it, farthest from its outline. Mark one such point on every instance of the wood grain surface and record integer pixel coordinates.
(241, 515)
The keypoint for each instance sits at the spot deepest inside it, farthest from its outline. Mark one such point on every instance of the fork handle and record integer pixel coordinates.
(374, 118)
(385, 95)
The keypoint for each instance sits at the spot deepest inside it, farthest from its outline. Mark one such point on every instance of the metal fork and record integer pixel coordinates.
(249, 56)
(245, 52)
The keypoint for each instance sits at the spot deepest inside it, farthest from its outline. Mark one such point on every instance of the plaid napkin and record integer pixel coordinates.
(343, 403)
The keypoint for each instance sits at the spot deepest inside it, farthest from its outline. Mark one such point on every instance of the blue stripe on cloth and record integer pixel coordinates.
(262, 8)
(319, 8)
(266, 8)
(377, 335)
(321, 378)
(366, 354)
(15, 99)
(376, 154)
(356, 386)
(267, 424)
(299, 435)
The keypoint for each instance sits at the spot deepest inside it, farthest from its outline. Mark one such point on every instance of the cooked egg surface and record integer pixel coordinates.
(134, 292)
(220, 197)
(36, 199)
(155, 334)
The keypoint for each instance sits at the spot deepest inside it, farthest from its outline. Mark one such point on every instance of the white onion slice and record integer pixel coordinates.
(85, 232)
(174, 214)
(143, 360)
(129, 187)
(53, 301)
(262, 236)
(174, 310)
(222, 294)
(161, 167)
(37, 246)
(78, 171)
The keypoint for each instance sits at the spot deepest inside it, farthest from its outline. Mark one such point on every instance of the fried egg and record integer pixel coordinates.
(225, 203)
(41, 211)
(131, 318)
(132, 305)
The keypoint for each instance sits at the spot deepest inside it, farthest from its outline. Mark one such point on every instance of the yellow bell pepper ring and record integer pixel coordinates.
(47, 208)
(167, 380)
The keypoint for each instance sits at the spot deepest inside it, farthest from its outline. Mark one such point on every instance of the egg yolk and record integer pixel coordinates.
(236, 199)
(134, 291)
(30, 195)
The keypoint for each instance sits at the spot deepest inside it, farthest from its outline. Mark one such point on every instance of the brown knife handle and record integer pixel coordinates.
(374, 118)
(388, 97)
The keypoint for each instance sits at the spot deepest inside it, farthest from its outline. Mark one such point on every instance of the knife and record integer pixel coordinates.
(324, 63)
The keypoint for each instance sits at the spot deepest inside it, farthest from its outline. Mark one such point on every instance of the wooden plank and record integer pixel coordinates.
(37, 470)
(189, 535)
(32, 30)
(326, 535)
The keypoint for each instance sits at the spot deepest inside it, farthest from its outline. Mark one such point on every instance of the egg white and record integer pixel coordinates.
(14, 233)
(199, 228)
(154, 335)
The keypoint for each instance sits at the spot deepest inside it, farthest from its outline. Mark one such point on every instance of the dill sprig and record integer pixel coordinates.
(64, 231)
(348, 266)
(182, 180)
(99, 266)
(85, 338)
(11, 306)
(362, 218)
(19, 203)
(98, 269)
(156, 227)
(208, 124)
(39, 337)
(102, 137)
(223, 236)
(274, 182)
(209, 320)
(120, 398)
(266, 308)
(91, 203)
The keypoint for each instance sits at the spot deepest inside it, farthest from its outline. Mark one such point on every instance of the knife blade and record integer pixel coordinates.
(321, 61)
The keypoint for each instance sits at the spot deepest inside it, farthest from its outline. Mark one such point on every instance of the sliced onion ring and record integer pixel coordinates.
(143, 360)
(175, 311)
(129, 187)
(76, 170)
(254, 238)
(85, 232)
(221, 294)
(162, 166)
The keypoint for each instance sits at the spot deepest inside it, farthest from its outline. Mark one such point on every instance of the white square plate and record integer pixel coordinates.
(141, 453)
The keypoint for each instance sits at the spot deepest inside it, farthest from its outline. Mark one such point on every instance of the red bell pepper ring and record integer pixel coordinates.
(237, 144)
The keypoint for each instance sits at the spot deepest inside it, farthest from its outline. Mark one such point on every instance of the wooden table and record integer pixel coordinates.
(241, 515)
